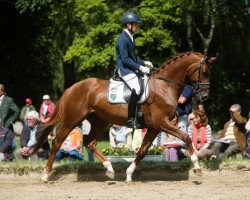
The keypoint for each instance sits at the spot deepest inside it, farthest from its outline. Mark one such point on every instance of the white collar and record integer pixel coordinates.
(1, 98)
(130, 35)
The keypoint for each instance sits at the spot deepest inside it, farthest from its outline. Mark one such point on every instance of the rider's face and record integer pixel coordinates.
(133, 27)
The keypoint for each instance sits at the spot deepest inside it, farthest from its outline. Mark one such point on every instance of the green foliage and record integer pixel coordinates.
(118, 151)
(95, 44)
(126, 151)
(33, 5)
(156, 40)
(95, 49)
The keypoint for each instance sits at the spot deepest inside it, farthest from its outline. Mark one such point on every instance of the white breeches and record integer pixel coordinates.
(133, 82)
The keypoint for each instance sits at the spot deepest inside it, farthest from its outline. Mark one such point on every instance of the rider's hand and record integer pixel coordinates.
(148, 64)
(144, 70)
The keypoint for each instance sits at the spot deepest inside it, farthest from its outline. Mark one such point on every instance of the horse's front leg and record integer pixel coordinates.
(172, 130)
(193, 157)
(146, 143)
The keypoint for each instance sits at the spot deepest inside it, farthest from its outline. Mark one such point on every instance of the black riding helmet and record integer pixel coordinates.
(130, 18)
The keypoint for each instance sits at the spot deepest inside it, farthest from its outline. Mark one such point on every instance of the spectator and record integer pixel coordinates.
(200, 133)
(29, 137)
(247, 153)
(160, 139)
(201, 107)
(190, 118)
(248, 123)
(174, 148)
(184, 107)
(9, 111)
(138, 136)
(25, 110)
(85, 129)
(46, 109)
(162, 136)
(120, 136)
(6, 138)
(71, 148)
(232, 139)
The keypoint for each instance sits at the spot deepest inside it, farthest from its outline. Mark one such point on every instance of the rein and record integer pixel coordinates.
(171, 81)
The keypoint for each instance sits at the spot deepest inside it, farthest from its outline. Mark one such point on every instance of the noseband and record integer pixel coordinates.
(198, 87)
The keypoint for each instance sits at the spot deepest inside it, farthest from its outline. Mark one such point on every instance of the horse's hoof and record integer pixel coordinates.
(197, 172)
(43, 181)
(129, 178)
(45, 176)
(110, 174)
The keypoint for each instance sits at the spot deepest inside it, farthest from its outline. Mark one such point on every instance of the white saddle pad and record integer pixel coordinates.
(116, 91)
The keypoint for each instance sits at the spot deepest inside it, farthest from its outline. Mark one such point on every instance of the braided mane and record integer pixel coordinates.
(175, 58)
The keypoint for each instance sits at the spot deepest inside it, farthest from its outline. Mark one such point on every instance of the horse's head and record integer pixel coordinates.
(199, 75)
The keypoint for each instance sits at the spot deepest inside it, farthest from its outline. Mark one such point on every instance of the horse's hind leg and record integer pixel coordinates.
(57, 142)
(97, 128)
(106, 163)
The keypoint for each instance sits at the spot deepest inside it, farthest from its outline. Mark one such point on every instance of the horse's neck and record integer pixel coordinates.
(175, 72)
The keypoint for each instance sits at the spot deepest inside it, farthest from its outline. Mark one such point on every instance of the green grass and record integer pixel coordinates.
(64, 167)
(26, 167)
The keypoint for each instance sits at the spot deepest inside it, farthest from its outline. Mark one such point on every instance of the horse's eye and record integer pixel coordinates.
(206, 73)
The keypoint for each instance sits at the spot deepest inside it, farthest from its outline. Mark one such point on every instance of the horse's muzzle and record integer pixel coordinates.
(204, 95)
(202, 91)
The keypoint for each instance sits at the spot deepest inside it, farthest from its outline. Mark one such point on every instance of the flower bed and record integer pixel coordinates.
(125, 154)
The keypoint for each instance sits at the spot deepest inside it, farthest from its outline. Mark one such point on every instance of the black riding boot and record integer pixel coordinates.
(132, 109)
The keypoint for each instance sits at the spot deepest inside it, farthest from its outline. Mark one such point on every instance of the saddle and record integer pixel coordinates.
(120, 92)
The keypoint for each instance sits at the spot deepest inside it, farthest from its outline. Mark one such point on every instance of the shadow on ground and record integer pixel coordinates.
(147, 171)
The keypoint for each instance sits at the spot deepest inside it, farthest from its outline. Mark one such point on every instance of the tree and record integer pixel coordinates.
(94, 46)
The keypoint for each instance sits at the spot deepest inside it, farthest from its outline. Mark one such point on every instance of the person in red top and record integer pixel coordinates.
(47, 108)
(201, 135)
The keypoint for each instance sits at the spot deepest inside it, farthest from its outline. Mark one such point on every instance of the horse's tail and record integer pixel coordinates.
(48, 127)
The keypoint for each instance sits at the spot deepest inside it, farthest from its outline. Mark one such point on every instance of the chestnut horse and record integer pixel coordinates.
(87, 99)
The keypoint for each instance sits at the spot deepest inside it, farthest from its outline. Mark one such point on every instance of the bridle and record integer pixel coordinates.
(198, 87)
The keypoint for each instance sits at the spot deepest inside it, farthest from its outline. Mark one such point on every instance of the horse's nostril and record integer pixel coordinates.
(204, 97)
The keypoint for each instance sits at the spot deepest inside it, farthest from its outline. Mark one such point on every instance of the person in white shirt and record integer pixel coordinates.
(29, 138)
(120, 136)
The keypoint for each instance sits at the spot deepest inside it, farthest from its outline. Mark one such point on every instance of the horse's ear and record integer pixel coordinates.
(210, 59)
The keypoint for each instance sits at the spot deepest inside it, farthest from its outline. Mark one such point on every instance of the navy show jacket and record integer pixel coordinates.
(126, 59)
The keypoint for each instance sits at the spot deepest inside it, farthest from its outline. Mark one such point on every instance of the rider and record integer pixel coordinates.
(129, 66)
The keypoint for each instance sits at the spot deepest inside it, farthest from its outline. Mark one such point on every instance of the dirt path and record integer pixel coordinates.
(214, 185)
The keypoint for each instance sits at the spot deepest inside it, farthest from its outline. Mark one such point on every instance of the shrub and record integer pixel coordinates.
(126, 151)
